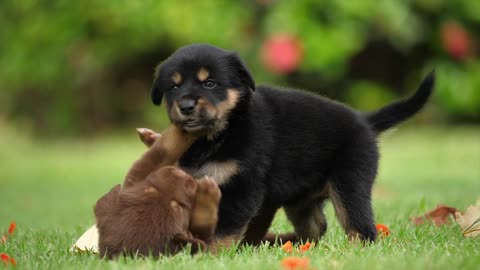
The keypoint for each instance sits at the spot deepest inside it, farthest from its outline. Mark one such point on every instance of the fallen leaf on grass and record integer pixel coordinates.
(4, 238)
(470, 220)
(287, 247)
(292, 263)
(12, 227)
(306, 246)
(88, 242)
(6, 259)
(382, 230)
(439, 216)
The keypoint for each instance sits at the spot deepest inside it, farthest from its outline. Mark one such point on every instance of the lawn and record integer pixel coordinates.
(49, 189)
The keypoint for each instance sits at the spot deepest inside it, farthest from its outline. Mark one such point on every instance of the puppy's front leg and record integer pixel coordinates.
(165, 150)
(148, 136)
(204, 214)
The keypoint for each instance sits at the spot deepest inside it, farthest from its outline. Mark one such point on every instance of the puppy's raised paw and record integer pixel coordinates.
(147, 136)
(208, 190)
(204, 215)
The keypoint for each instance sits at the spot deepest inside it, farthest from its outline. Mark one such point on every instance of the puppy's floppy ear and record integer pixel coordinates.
(107, 202)
(242, 71)
(157, 93)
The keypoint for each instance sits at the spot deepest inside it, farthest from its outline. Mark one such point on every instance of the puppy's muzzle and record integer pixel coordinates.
(187, 106)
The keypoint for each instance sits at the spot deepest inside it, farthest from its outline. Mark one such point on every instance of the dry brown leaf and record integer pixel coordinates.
(439, 216)
(470, 220)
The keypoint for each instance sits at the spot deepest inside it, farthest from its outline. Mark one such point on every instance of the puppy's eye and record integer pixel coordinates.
(173, 86)
(209, 84)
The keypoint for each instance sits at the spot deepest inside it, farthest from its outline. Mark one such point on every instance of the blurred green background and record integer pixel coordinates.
(75, 80)
(76, 68)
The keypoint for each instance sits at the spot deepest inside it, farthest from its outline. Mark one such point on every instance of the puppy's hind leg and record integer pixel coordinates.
(350, 189)
(308, 219)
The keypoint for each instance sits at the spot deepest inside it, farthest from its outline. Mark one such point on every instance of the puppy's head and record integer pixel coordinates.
(172, 189)
(202, 84)
(151, 217)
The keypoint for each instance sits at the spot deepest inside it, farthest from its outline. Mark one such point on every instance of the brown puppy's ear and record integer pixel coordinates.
(180, 242)
(106, 203)
(243, 74)
(147, 136)
(157, 92)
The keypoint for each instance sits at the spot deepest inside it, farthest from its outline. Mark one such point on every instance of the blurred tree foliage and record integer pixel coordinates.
(79, 66)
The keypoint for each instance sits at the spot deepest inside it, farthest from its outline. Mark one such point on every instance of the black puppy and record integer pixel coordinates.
(269, 147)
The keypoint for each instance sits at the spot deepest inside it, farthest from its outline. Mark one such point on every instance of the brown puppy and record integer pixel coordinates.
(159, 210)
(167, 151)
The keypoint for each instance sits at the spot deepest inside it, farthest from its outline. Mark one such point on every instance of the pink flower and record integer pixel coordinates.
(282, 53)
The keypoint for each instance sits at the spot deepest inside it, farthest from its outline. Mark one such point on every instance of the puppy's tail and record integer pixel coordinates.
(401, 110)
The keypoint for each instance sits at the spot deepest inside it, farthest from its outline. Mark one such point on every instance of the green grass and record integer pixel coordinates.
(49, 189)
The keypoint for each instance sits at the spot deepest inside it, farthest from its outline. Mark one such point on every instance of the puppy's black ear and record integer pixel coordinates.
(157, 92)
(242, 71)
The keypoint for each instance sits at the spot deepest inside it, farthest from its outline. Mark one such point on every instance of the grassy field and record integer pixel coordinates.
(49, 189)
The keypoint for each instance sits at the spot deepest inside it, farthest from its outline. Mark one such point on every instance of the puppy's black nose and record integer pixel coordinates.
(187, 106)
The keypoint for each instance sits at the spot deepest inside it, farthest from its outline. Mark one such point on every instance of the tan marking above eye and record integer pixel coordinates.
(177, 78)
(202, 74)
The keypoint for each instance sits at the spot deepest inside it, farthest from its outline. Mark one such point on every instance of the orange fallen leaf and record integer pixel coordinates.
(4, 238)
(382, 230)
(470, 220)
(287, 247)
(306, 246)
(291, 263)
(439, 216)
(6, 259)
(12, 227)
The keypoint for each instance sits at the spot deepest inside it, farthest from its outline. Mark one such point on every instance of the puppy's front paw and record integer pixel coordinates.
(148, 136)
(208, 190)
(204, 215)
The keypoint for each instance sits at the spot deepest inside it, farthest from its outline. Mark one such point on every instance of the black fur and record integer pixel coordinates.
(401, 110)
(294, 149)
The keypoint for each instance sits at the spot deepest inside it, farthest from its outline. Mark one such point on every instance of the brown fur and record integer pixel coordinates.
(160, 209)
(220, 111)
(165, 150)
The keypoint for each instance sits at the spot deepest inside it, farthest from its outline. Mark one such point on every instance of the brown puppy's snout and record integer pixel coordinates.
(187, 105)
